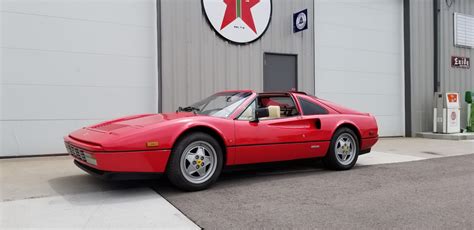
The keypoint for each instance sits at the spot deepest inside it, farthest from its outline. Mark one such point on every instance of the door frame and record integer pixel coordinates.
(282, 54)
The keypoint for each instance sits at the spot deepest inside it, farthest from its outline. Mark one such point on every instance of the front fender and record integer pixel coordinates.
(222, 127)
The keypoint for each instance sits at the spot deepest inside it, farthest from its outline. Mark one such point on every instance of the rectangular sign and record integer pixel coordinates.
(460, 62)
(300, 21)
(452, 97)
(452, 100)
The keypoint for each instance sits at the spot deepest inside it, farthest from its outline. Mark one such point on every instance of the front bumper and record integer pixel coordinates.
(146, 161)
(115, 176)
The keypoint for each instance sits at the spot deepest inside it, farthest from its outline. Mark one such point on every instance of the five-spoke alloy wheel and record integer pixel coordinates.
(196, 162)
(343, 151)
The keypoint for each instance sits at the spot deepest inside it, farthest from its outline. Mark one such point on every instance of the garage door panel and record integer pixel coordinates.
(129, 12)
(75, 69)
(340, 58)
(358, 15)
(68, 64)
(356, 83)
(351, 38)
(382, 5)
(37, 137)
(390, 125)
(58, 34)
(359, 58)
(52, 102)
(376, 104)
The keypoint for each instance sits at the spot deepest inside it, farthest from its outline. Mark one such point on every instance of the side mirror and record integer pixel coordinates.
(259, 113)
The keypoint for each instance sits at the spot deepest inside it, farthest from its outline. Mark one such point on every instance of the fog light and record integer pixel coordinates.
(90, 159)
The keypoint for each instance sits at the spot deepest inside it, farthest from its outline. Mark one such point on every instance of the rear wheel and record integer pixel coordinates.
(196, 162)
(343, 151)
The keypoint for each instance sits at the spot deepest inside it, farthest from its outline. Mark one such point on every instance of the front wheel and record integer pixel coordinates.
(344, 150)
(196, 162)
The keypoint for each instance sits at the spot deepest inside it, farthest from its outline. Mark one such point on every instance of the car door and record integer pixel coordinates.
(320, 121)
(272, 139)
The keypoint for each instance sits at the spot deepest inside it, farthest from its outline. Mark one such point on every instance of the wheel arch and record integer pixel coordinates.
(208, 130)
(352, 127)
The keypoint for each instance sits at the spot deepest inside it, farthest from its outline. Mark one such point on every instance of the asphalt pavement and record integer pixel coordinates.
(429, 194)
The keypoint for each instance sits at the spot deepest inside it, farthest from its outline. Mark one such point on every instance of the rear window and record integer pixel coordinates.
(310, 108)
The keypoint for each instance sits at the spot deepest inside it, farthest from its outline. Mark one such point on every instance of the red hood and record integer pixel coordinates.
(111, 131)
(139, 121)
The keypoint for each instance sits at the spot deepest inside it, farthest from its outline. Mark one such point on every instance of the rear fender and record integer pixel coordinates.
(352, 126)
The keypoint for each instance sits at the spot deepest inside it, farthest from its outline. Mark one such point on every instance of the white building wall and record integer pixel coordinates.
(69, 63)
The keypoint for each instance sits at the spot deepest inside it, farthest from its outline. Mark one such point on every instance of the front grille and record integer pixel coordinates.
(76, 152)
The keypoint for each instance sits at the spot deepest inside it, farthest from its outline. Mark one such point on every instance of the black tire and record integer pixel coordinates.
(174, 172)
(331, 160)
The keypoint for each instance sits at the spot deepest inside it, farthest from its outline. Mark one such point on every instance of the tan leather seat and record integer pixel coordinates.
(273, 112)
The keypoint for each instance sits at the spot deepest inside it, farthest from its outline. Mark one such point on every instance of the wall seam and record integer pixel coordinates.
(159, 56)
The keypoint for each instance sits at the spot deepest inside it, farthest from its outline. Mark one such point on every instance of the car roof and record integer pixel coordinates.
(231, 91)
(282, 92)
(265, 92)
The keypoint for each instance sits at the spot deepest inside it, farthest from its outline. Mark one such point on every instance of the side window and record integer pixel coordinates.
(248, 113)
(278, 106)
(310, 108)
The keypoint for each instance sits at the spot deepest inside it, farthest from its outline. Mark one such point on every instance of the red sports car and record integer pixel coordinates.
(228, 128)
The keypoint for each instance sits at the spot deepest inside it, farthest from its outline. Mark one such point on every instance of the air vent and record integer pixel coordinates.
(109, 126)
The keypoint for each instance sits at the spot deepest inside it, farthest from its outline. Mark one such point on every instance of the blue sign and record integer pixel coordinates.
(300, 21)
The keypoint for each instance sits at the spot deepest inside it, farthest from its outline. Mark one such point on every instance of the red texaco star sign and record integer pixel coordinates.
(239, 9)
(240, 21)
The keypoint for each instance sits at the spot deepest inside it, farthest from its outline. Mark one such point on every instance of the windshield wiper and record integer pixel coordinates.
(188, 109)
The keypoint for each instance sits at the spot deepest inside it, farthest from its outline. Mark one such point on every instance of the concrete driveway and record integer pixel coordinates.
(51, 192)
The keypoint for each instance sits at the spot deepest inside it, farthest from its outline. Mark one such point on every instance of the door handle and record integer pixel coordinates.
(317, 123)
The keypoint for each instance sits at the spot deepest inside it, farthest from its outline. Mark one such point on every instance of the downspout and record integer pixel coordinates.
(436, 79)
(407, 66)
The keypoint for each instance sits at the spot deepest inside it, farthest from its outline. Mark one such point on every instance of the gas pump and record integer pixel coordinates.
(446, 117)
(469, 98)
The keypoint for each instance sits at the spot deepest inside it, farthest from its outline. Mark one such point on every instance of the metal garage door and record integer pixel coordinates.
(279, 72)
(359, 58)
(67, 64)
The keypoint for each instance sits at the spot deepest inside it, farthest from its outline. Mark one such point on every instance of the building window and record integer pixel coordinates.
(463, 30)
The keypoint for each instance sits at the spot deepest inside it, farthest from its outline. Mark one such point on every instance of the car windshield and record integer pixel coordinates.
(219, 104)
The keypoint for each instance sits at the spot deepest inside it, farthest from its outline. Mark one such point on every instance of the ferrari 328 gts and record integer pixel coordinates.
(192, 145)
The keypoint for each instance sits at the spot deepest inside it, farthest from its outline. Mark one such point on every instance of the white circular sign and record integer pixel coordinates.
(239, 21)
(453, 116)
(301, 21)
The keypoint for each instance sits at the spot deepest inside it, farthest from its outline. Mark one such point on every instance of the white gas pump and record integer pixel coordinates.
(447, 111)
